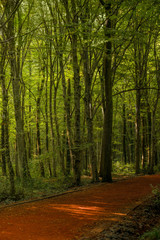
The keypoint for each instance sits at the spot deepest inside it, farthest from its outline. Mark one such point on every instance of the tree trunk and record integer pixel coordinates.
(57, 131)
(7, 147)
(69, 133)
(47, 125)
(138, 135)
(106, 158)
(124, 134)
(144, 142)
(73, 21)
(5, 134)
(38, 149)
(149, 140)
(15, 78)
(88, 94)
(67, 96)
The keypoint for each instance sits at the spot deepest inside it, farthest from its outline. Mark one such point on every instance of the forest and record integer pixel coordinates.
(79, 90)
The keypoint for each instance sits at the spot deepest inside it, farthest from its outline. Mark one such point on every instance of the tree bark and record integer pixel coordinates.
(6, 161)
(138, 135)
(106, 158)
(38, 104)
(15, 78)
(72, 20)
(124, 134)
(88, 94)
(51, 114)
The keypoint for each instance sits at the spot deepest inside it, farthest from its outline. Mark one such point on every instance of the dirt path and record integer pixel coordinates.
(68, 216)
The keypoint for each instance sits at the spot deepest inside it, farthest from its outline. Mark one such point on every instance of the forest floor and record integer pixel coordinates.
(99, 211)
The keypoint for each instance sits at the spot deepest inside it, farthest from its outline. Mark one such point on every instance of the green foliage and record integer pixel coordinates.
(41, 187)
(156, 193)
(123, 169)
(157, 168)
(154, 234)
(5, 196)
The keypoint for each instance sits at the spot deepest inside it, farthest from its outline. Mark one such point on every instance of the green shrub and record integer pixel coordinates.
(156, 193)
(123, 169)
(154, 234)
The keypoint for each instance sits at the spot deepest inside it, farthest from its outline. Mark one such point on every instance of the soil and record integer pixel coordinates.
(141, 219)
(85, 214)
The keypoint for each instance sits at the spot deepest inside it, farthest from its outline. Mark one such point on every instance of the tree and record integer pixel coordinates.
(106, 160)
(10, 9)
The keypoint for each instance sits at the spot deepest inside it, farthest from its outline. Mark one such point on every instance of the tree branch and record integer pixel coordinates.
(135, 89)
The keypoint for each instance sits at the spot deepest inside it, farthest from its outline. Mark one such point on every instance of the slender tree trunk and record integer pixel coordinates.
(67, 96)
(144, 142)
(138, 135)
(72, 20)
(7, 149)
(47, 125)
(89, 119)
(15, 78)
(30, 147)
(88, 95)
(69, 132)
(57, 131)
(5, 134)
(149, 115)
(2, 80)
(38, 102)
(124, 134)
(77, 92)
(4, 170)
(51, 112)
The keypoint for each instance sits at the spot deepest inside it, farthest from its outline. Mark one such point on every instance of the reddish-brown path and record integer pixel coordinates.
(68, 216)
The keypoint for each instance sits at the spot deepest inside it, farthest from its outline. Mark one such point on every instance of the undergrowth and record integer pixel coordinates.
(154, 234)
(40, 187)
(123, 169)
(34, 188)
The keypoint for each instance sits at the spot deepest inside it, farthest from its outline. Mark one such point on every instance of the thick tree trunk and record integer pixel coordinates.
(106, 159)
